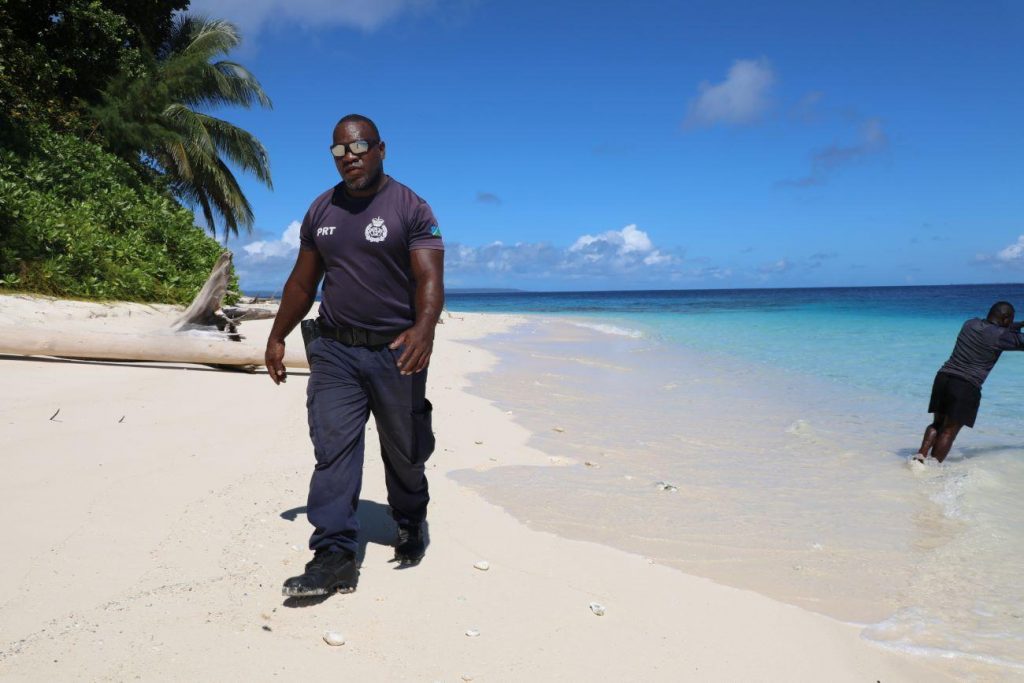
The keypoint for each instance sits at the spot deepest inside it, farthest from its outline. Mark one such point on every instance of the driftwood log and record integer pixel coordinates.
(205, 313)
(171, 348)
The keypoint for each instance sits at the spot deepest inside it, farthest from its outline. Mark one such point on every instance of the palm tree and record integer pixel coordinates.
(163, 117)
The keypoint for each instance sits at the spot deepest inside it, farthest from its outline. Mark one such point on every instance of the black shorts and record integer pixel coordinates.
(955, 398)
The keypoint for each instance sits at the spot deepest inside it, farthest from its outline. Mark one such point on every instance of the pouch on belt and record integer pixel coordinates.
(310, 331)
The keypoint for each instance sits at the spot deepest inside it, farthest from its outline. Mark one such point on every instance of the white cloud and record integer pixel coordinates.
(656, 258)
(628, 251)
(741, 98)
(780, 266)
(1013, 254)
(264, 250)
(252, 16)
(626, 241)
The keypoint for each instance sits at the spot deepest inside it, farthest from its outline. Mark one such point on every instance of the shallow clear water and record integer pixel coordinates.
(784, 418)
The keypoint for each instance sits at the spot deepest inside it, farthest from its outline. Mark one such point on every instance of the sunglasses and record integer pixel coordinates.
(357, 147)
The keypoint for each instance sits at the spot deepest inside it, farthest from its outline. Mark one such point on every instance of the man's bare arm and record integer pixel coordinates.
(299, 294)
(428, 269)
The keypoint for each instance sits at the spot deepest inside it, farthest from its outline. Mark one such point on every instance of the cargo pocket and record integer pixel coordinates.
(423, 434)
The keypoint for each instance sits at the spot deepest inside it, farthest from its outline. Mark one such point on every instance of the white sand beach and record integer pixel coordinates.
(151, 511)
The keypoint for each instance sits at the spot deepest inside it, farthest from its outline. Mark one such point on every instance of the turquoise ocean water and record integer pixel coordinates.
(784, 418)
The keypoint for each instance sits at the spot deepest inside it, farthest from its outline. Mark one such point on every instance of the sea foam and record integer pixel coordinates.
(610, 329)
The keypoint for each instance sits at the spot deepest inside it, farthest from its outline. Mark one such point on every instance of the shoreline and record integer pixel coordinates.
(697, 531)
(156, 546)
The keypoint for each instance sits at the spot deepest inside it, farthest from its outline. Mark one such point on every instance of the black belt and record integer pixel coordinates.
(349, 335)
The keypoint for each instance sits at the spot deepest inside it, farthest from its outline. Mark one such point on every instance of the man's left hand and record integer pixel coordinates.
(419, 344)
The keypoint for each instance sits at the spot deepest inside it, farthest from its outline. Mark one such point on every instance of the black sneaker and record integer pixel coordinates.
(411, 546)
(328, 572)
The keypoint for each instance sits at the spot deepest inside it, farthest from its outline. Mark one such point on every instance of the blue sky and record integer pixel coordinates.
(599, 145)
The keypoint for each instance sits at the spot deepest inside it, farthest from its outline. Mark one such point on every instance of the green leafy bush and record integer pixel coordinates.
(76, 221)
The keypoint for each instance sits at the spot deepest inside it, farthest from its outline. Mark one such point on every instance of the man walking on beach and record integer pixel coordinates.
(956, 392)
(377, 247)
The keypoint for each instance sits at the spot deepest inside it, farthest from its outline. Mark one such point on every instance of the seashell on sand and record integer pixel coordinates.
(597, 608)
(334, 638)
(472, 633)
(482, 565)
(559, 429)
(665, 486)
(590, 463)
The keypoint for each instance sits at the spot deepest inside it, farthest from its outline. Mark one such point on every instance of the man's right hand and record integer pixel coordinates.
(296, 299)
(274, 360)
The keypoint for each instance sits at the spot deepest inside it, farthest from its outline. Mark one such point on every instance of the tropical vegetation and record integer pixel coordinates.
(107, 139)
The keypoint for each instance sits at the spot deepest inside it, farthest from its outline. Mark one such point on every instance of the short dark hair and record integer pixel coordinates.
(359, 118)
(1001, 309)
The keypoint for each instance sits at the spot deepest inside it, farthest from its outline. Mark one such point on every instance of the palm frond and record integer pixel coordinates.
(214, 185)
(190, 125)
(204, 37)
(227, 83)
(162, 117)
(240, 146)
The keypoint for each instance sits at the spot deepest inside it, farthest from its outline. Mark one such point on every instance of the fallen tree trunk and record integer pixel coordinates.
(237, 314)
(167, 348)
(213, 346)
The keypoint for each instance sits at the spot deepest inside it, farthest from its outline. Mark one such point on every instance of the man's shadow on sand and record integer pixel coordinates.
(375, 526)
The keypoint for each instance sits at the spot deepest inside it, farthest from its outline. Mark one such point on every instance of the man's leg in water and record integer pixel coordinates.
(944, 441)
(930, 434)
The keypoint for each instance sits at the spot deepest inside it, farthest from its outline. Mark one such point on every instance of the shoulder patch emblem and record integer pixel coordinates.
(435, 231)
(376, 231)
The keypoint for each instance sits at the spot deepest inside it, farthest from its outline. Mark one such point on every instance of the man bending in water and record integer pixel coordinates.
(956, 393)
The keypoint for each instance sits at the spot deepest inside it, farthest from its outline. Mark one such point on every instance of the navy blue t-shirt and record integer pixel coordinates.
(365, 245)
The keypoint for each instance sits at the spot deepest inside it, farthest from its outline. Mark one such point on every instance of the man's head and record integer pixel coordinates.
(1001, 313)
(358, 153)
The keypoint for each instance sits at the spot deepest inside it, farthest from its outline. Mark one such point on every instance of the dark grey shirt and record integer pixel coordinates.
(978, 347)
(365, 245)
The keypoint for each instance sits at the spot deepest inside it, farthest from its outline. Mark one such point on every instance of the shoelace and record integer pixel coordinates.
(318, 561)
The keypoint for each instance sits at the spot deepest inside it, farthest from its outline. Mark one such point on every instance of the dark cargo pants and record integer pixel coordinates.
(346, 385)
